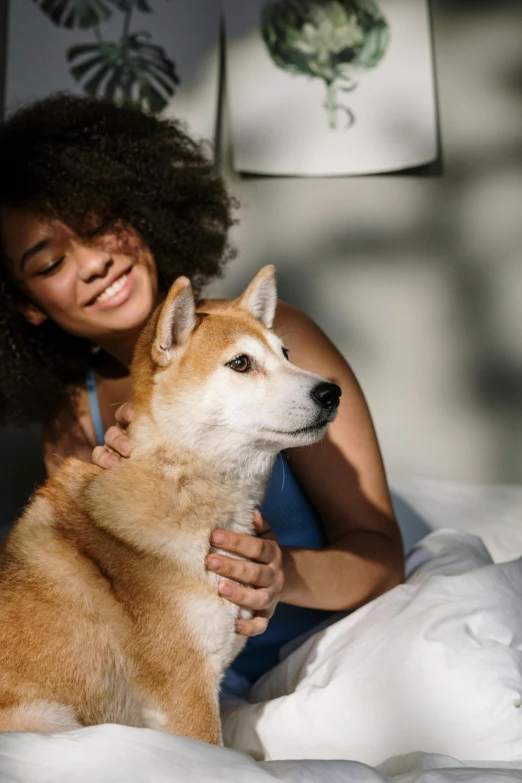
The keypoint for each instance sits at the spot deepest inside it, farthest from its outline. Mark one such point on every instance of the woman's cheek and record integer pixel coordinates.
(58, 296)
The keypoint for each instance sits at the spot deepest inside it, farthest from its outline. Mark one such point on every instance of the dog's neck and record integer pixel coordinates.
(240, 466)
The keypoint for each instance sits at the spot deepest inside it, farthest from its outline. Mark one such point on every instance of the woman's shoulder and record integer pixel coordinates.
(70, 433)
(283, 310)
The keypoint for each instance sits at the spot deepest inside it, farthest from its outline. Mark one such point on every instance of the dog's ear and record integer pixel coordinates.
(176, 321)
(260, 298)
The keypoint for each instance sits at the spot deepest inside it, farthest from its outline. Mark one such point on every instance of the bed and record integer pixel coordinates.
(421, 685)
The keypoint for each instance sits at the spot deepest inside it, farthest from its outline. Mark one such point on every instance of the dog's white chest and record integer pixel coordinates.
(212, 619)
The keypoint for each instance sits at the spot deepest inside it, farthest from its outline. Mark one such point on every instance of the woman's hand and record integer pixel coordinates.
(117, 444)
(260, 576)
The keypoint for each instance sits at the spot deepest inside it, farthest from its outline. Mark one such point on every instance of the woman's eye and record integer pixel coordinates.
(241, 364)
(51, 267)
(285, 352)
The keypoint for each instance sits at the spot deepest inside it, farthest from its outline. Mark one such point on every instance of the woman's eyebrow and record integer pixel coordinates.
(41, 245)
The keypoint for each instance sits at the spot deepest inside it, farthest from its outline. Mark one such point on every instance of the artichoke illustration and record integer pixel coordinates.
(129, 70)
(332, 40)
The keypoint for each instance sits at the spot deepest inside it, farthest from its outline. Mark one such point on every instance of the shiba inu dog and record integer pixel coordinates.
(107, 614)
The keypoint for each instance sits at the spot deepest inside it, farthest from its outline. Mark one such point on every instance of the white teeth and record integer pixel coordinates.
(112, 289)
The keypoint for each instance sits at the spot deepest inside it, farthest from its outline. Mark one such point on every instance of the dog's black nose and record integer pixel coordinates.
(327, 395)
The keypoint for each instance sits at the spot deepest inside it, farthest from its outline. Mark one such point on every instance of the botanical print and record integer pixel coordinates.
(131, 69)
(319, 88)
(335, 41)
(161, 55)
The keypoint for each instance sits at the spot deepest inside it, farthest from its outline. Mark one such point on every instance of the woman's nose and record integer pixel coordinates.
(92, 262)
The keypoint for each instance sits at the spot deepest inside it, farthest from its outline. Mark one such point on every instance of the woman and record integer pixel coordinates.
(101, 208)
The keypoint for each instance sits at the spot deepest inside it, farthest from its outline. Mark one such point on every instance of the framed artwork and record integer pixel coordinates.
(159, 54)
(330, 87)
(314, 87)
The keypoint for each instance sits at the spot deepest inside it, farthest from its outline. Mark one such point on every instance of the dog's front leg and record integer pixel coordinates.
(189, 708)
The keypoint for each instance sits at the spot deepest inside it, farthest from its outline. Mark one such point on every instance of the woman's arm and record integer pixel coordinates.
(343, 477)
(70, 434)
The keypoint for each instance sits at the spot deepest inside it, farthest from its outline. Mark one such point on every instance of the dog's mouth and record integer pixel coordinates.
(319, 425)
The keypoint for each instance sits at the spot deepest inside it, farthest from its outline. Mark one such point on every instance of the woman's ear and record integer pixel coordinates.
(32, 313)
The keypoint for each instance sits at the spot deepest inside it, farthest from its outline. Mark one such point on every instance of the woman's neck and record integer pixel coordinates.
(120, 347)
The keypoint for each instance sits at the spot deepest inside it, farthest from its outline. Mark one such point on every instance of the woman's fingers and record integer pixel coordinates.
(117, 444)
(104, 458)
(124, 414)
(117, 440)
(253, 547)
(244, 571)
(262, 527)
(255, 599)
(257, 580)
(253, 627)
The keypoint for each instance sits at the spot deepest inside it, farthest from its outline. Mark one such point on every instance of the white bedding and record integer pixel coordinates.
(433, 665)
(120, 754)
(491, 511)
(421, 685)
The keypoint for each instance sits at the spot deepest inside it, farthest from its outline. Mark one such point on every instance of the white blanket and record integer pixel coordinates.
(421, 685)
(120, 754)
(491, 511)
(434, 665)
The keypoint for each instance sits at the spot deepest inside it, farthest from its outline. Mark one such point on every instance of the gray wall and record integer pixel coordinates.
(418, 280)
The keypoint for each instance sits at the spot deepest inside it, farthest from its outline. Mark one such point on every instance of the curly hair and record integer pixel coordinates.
(75, 159)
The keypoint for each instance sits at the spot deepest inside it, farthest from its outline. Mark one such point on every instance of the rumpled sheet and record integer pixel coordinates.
(422, 685)
(120, 754)
(433, 665)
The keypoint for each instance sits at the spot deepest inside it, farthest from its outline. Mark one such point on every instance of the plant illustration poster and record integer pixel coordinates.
(330, 87)
(161, 55)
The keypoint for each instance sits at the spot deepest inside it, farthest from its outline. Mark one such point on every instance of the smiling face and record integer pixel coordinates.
(101, 287)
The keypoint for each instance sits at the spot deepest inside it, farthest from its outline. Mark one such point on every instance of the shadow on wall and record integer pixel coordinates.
(417, 279)
(412, 526)
(21, 469)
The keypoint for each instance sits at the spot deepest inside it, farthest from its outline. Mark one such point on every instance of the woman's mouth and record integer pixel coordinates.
(115, 294)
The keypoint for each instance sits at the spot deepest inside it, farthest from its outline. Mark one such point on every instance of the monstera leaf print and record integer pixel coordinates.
(75, 13)
(129, 71)
(140, 5)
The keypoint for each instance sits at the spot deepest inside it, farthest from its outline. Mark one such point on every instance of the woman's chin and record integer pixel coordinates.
(133, 312)
(129, 317)
(133, 317)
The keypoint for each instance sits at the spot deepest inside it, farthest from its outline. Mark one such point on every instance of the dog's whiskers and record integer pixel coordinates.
(280, 456)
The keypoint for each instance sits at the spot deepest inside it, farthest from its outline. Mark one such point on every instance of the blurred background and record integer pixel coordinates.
(417, 279)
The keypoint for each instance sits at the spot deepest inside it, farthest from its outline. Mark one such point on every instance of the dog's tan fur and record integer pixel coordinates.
(107, 613)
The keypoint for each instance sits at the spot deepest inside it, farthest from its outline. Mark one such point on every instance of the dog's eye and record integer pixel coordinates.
(240, 364)
(285, 352)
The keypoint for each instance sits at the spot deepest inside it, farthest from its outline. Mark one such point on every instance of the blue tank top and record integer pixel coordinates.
(295, 523)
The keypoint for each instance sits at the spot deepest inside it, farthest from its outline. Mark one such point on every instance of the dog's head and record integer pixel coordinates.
(221, 382)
